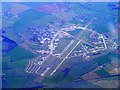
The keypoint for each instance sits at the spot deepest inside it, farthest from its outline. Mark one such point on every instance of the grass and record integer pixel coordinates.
(77, 72)
(103, 59)
(12, 34)
(54, 79)
(74, 21)
(35, 4)
(28, 16)
(19, 53)
(45, 20)
(48, 61)
(22, 24)
(74, 32)
(62, 44)
(69, 49)
(4, 65)
(67, 78)
(15, 82)
(108, 67)
(102, 73)
(18, 64)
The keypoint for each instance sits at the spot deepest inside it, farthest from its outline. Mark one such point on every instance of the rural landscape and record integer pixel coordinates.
(60, 44)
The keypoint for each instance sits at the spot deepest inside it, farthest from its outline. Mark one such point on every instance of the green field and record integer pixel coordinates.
(16, 82)
(27, 17)
(19, 53)
(74, 32)
(45, 20)
(12, 34)
(13, 65)
(102, 73)
(57, 78)
(62, 44)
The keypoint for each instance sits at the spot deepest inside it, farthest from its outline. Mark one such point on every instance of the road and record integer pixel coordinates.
(64, 59)
(62, 53)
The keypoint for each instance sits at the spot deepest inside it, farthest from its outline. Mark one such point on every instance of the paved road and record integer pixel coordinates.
(62, 52)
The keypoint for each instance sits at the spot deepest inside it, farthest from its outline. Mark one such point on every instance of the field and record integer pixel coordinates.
(62, 44)
(7, 45)
(19, 53)
(52, 8)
